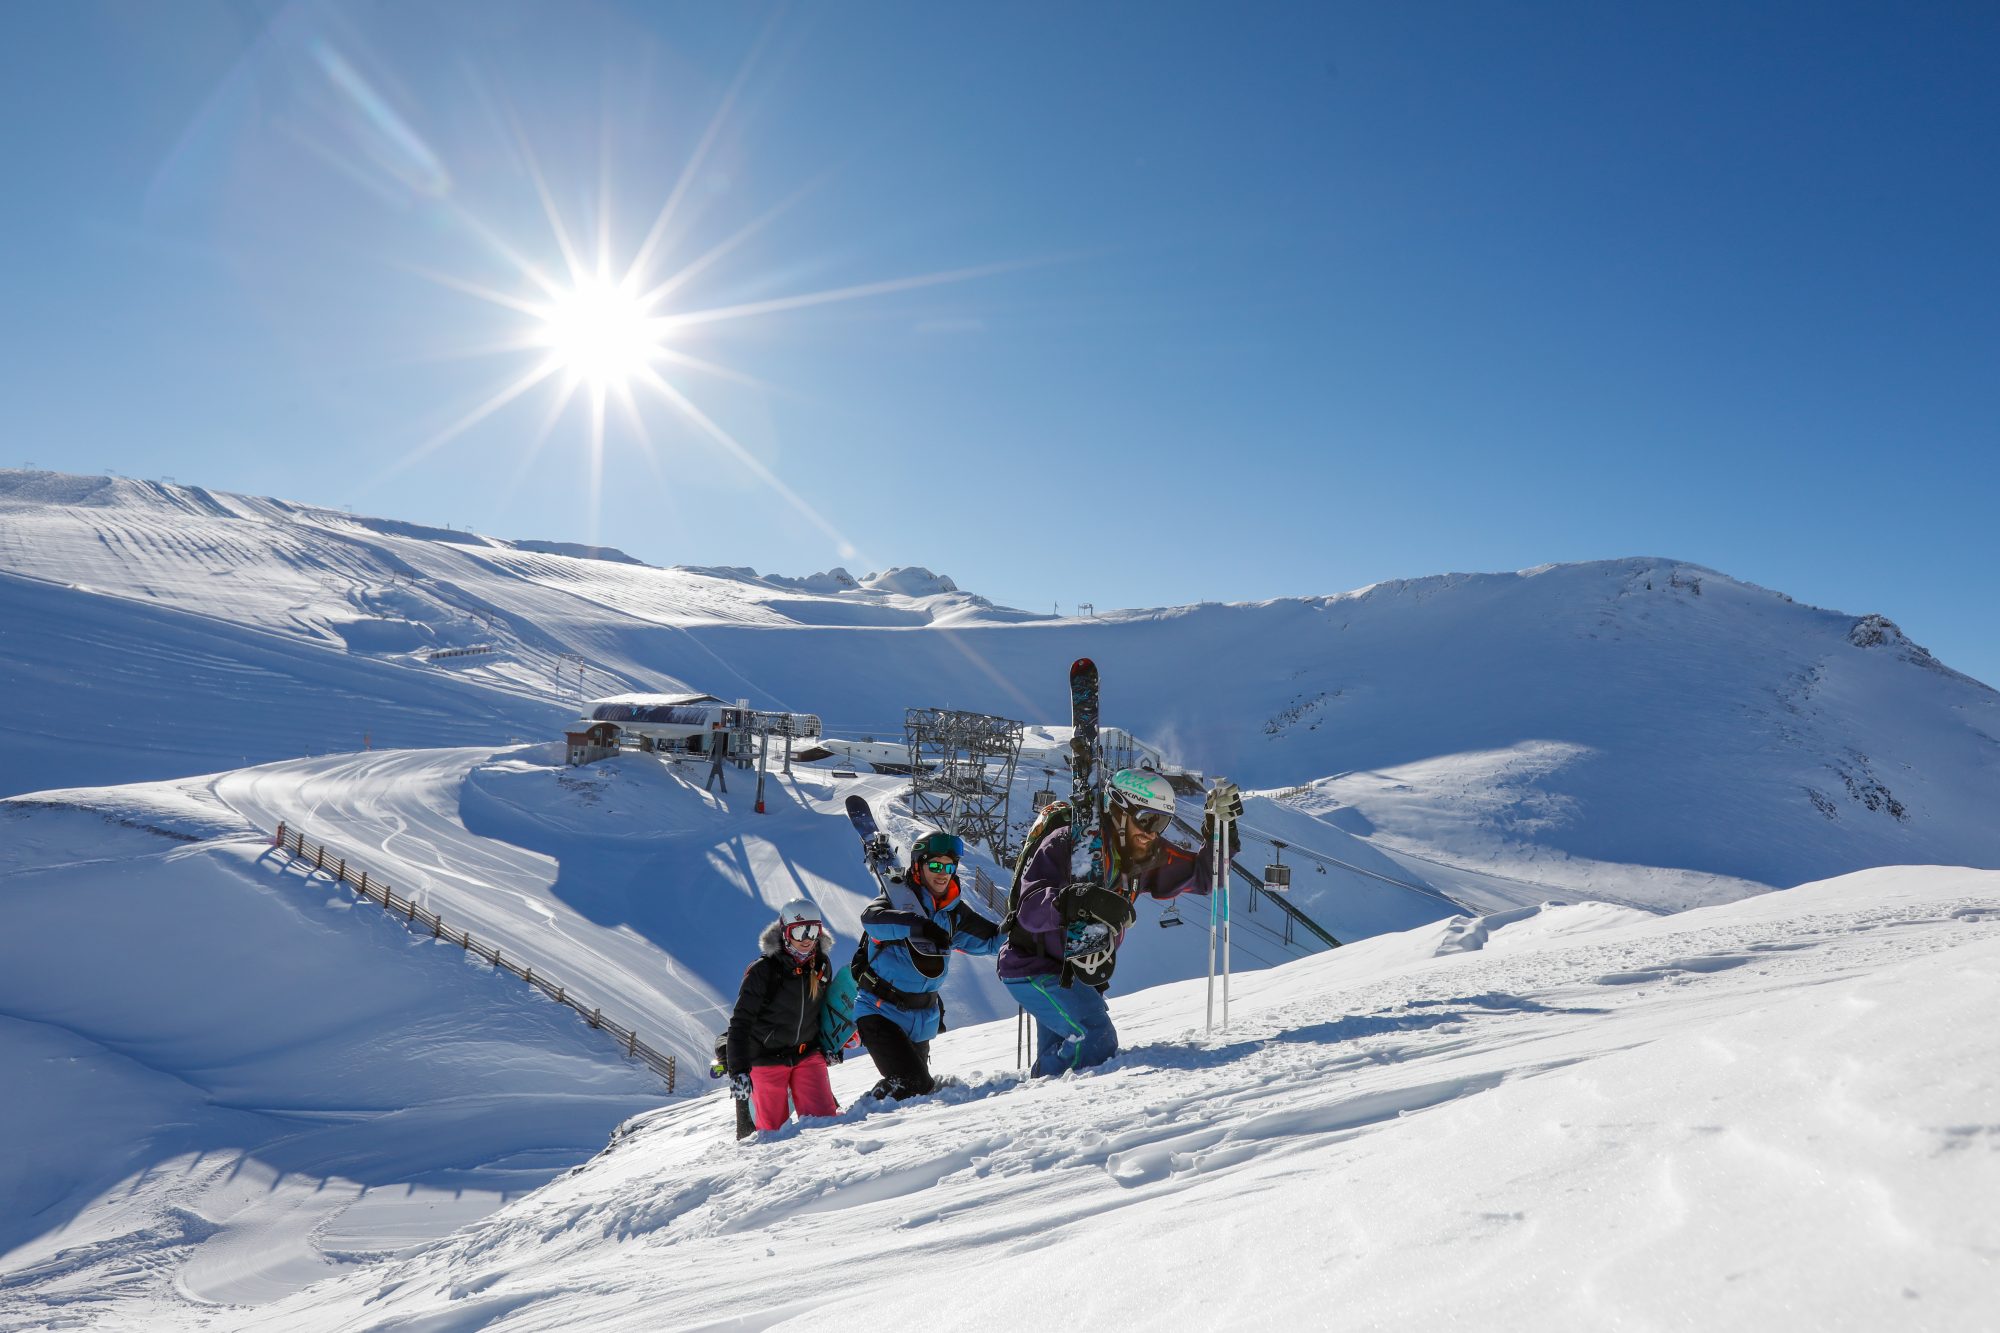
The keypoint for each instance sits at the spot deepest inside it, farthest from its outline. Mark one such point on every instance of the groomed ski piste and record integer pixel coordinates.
(1578, 1067)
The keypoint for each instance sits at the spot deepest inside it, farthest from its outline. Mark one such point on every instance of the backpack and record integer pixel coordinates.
(1055, 815)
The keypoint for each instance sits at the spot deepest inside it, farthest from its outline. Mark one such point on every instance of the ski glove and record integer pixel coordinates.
(739, 1087)
(1087, 945)
(936, 937)
(1089, 902)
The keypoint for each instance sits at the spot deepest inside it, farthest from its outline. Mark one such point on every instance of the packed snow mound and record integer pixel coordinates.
(577, 550)
(1765, 1114)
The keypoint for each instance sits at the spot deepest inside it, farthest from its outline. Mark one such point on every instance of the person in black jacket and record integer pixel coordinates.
(773, 1052)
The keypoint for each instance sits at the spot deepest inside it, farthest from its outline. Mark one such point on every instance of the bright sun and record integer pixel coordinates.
(601, 332)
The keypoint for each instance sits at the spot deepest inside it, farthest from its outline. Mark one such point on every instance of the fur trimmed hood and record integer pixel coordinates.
(772, 942)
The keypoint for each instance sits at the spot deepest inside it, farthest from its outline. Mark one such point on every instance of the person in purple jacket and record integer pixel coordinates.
(1063, 938)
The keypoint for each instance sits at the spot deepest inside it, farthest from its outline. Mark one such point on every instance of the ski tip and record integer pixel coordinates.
(1081, 665)
(856, 803)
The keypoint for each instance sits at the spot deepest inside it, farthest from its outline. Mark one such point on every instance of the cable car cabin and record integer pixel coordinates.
(1278, 875)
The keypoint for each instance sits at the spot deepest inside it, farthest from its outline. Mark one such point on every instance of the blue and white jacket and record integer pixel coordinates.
(897, 973)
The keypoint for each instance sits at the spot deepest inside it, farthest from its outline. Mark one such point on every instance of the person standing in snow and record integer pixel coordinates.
(773, 1048)
(718, 746)
(908, 934)
(1060, 947)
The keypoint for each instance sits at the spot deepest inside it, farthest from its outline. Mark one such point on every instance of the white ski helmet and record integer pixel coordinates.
(797, 910)
(1135, 789)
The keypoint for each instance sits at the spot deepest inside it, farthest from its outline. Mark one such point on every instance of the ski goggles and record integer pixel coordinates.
(802, 932)
(941, 867)
(1150, 821)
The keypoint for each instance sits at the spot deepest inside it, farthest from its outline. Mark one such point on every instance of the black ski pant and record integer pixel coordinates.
(905, 1065)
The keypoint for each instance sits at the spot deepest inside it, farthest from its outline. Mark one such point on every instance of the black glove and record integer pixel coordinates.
(739, 1087)
(1208, 837)
(1091, 902)
(934, 936)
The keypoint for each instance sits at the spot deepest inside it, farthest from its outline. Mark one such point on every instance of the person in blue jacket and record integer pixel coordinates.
(908, 934)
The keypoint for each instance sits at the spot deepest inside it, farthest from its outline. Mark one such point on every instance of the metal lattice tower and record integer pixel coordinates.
(962, 773)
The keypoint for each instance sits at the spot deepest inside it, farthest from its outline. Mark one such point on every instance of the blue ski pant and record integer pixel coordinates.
(1072, 1024)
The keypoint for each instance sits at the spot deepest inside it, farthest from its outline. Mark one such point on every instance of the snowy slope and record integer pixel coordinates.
(162, 963)
(223, 1079)
(1768, 1114)
(245, 1082)
(1640, 729)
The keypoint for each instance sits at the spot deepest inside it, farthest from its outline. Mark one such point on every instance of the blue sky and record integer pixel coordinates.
(1242, 301)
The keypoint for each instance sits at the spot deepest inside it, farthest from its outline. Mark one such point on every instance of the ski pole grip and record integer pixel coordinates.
(1225, 801)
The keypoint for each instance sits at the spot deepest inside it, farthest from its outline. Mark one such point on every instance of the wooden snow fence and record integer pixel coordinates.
(321, 859)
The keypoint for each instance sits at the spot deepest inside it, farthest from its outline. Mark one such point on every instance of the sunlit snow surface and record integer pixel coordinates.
(1778, 1113)
(225, 1080)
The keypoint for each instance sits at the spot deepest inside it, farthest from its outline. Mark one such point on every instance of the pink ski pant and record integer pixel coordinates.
(773, 1089)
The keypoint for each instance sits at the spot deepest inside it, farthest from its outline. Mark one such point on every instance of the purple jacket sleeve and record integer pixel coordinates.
(1180, 872)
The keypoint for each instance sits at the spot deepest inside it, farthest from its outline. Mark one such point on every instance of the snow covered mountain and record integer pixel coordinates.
(1641, 729)
(243, 1082)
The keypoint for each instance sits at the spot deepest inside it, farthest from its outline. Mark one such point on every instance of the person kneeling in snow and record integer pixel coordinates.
(908, 934)
(773, 1052)
(1063, 938)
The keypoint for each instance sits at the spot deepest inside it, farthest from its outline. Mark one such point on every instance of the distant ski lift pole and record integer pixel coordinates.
(1278, 875)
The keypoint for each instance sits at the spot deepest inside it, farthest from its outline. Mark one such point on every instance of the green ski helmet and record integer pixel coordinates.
(1143, 797)
(936, 846)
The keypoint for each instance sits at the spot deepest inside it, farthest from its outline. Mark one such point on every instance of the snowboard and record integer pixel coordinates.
(836, 1021)
(746, 1124)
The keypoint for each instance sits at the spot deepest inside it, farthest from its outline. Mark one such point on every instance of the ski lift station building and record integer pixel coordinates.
(676, 723)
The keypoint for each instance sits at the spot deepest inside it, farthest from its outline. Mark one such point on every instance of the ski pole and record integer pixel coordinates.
(1215, 863)
(1221, 815)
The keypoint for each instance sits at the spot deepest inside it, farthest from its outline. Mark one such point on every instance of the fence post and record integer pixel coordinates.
(319, 858)
(437, 927)
(340, 875)
(413, 909)
(673, 1064)
(597, 1017)
(632, 1043)
(278, 838)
